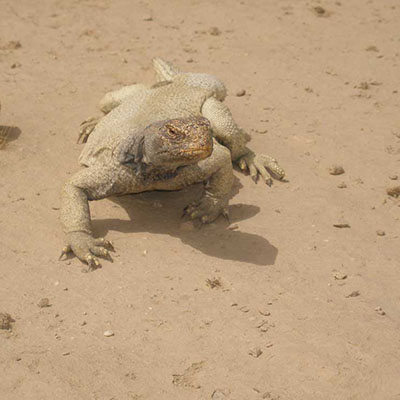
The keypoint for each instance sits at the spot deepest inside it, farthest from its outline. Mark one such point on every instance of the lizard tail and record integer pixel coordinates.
(165, 71)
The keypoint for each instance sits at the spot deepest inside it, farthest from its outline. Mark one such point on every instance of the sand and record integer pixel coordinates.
(284, 305)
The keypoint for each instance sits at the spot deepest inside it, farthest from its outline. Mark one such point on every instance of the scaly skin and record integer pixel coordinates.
(130, 151)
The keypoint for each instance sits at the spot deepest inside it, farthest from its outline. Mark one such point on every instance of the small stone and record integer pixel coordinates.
(359, 181)
(145, 252)
(66, 353)
(12, 45)
(244, 309)
(218, 395)
(319, 10)
(355, 293)
(336, 170)
(263, 326)
(363, 86)
(18, 359)
(214, 31)
(380, 311)
(372, 48)
(379, 232)
(6, 321)
(16, 65)
(340, 276)
(233, 227)
(214, 283)
(266, 313)
(342, 225)
(189, 60)
(393, 191)
(240, 93)
(83, 323)
(108, 333)
(45, 302)
(342, 185)
(148, 18)
(393, 177)
(256, 352)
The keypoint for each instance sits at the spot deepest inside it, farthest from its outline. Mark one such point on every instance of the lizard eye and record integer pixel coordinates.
(173, 133)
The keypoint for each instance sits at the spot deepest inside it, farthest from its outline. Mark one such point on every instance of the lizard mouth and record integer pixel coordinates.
(196, 152)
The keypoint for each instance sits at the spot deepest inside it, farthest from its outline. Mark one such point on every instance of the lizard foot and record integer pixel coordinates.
(259, 164)
(86, 129)
(85, 247)
(207, 210)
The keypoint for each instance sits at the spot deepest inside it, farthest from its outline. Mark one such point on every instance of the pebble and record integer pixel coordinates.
(218, 395)
(256, 352)
(340, 276)
(233, 227)
(214, 31)
(148, 18)
(45, 302)
(66, 353)
(380, 311)
(380, 232)
(393, 191)
(319, 10)
(6, 321)
(372, 48)
(266, 313)
(214, 283)
(240, 93)
(263, 326)
(342, 185)
(342, 225)
(336, 170)
(393, 177)
(355, 293)
(108, 333)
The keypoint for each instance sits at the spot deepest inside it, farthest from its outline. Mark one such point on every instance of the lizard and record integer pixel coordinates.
(165, 136)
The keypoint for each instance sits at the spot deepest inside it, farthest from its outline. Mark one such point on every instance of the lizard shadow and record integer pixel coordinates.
(160, 213)
(8, 134)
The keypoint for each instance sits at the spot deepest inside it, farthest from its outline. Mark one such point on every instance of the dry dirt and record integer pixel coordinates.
(302, 309)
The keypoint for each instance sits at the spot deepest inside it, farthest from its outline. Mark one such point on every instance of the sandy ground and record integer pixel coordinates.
(287, 306)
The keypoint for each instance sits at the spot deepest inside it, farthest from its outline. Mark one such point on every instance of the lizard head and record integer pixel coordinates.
(167, 145)
(177, 142)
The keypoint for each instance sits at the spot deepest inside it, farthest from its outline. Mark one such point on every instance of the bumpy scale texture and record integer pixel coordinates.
(162, 137)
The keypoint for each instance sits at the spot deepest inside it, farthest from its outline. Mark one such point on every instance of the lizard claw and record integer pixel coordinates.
(65, 250)
(259, 165)
(86, 248)
(93, 262)
(206, 210)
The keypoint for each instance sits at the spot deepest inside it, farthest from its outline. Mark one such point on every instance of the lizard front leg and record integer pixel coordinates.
(217, 191)
(235, 139)
(88, 184)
